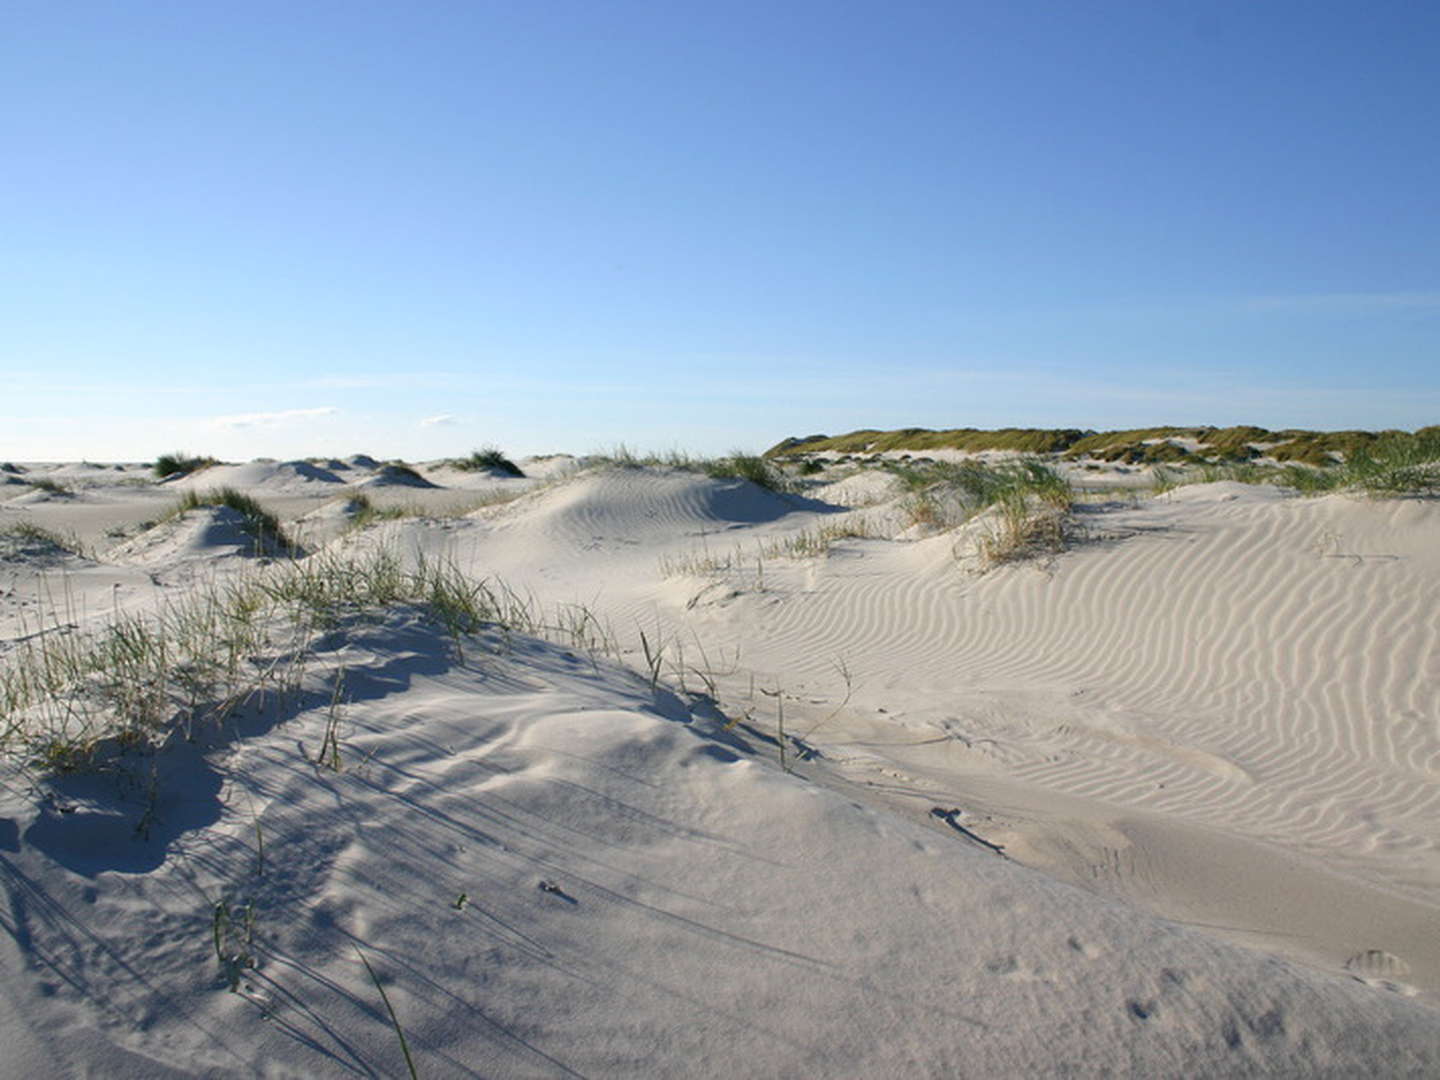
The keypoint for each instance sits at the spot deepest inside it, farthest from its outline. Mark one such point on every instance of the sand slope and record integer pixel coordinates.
(643, 897)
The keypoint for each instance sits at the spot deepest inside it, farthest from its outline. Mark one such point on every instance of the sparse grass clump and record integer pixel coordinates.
(809, 543)
(737, 466)
(488, 458)
(143, 680)
(25, 537)
(363, 511)
(54, 487)
(180, 463)
(975, 486)
(1022, 530)
(626, 458)
(750, 467)
(262, 526)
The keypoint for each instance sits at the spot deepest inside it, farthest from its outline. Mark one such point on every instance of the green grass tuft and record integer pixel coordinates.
(28, 534)
(262, 526)
(748, 467)
(181, 464)
(487, 458)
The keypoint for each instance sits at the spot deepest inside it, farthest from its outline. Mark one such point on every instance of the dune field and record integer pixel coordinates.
(647, 769)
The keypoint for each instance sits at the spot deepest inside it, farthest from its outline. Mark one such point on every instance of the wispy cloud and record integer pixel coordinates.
(1342, 303)
(443, 420)
(271, 419)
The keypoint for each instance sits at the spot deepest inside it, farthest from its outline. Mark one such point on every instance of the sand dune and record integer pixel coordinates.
(1205, 738)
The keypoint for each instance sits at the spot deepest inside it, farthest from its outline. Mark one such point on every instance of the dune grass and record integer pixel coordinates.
(143, 680)
(742, 466)
(26, 534)
(364, 512)
(971, 440)
(260, 524)
(1391, 464)
(1035, 501)
(489, 457)
(54, 487)
(28, 531)
(1135, 446)
(179, 463)
(738, 465)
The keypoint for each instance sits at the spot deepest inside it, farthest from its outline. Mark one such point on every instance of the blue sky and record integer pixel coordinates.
(413, 229)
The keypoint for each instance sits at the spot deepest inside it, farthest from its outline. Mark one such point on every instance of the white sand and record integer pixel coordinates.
(1207, 739)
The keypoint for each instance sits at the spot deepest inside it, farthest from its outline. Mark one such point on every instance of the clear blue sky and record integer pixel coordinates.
(414, 228)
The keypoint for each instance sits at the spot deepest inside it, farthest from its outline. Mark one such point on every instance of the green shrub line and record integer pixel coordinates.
(1135, 446)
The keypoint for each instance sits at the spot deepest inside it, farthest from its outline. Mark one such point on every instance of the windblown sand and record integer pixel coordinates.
(1166, 803)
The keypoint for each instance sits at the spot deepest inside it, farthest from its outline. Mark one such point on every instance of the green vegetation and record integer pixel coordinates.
(1326, 448)
(27, 535)
(980, 485)
(1390, 463)
(181, 464)
(738, 465)
(1021, 530)
(143, 680)
(808, 543)
(747, 467)
(488, 458)
(1033, 498)
(973, 440)
(54, 487)
(390, 1009)
(364, 512)
(261, 525)
(626, 458)
(1135, 446)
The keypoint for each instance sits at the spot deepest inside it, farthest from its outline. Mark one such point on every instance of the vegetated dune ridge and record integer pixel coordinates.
(1217, 705)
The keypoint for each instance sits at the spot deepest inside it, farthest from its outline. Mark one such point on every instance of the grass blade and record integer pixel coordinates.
(394, 1020)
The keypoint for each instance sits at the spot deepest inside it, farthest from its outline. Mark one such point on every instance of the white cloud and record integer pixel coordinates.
(271, 419)
(443, 420)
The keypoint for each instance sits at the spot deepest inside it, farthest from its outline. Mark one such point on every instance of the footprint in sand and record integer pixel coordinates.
(1376, 964)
